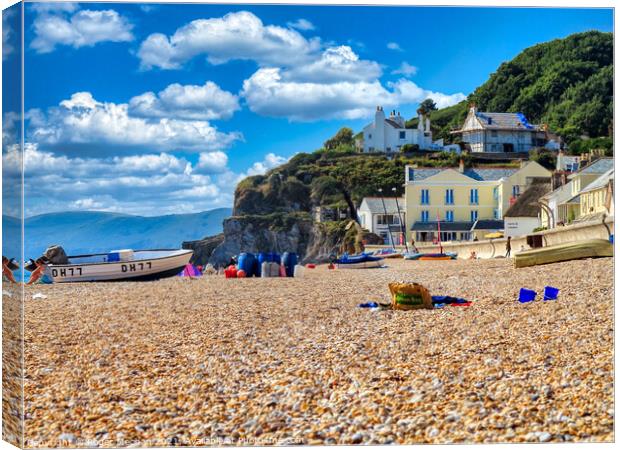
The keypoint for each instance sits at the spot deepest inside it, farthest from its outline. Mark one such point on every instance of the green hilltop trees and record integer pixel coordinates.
(565, 83)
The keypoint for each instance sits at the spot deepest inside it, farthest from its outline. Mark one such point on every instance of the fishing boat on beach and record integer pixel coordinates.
(362, 261)
(430, 256)
(121, 265)
(387, 253)
(441, 256)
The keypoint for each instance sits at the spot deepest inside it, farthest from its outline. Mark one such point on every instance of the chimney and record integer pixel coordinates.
(461, 165)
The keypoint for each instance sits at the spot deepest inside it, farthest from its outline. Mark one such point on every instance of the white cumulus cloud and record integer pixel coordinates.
(301, 24)
(270, 161)
(239, 35)
(148, 184)
(88, 123)
(405, 69)
(394, 46)
(212, 162)
(84, 28)
(267, 92)
(406, 91)
(335, 64)
(191, 102)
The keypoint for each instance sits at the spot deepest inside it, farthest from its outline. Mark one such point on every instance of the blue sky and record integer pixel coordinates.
(163, 108)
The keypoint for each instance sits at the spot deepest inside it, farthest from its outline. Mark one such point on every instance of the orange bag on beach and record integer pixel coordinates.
(407, 296)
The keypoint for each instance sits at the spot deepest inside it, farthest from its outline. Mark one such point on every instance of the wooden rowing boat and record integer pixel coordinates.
(589, 248)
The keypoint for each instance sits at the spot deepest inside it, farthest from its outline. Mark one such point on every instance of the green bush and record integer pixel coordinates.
(585, 145)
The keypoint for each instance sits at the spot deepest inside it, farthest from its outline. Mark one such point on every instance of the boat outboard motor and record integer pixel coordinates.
(30, 265)
(55, 254)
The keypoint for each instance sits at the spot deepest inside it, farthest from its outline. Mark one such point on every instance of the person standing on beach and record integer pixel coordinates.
(508, 247)
(415, 249)
(41, 273)
(7, 273)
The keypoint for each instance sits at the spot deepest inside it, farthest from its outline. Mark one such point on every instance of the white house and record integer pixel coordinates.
(500, 132)
(389, 134)
(567, 163)
(379, 215)
(524, 214)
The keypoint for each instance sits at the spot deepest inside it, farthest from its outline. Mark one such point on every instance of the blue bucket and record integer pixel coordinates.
(551, 293)
(611, 238)
(526, 295)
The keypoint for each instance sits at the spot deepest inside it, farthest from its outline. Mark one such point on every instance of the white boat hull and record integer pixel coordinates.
(147, 265)
(361, 265)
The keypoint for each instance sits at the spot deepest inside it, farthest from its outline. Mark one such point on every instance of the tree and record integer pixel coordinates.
(343, 138)
(427, 106)
(544, 157)
(327, 187)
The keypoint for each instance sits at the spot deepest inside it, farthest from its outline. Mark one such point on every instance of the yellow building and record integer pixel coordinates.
(468, 202)
(564, 204)
(596, 198)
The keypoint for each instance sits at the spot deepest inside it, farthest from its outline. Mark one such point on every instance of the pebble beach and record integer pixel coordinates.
(215, 361)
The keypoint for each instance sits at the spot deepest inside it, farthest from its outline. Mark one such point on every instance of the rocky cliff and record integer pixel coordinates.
(266, 233)
(275, 211)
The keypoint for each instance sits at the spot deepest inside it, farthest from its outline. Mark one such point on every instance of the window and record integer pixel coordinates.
(448, 236)
(494, 133)
(473, 196)
(369, 135)
(449, 216)
(401, 134)
(473, 215)
(424, 216)
(496, 214)
(449, 196)
(424, 198)
(495, 193)
(390, 219)
(515, 191)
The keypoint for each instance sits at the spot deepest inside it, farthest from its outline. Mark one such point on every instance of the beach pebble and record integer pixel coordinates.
(264, 361)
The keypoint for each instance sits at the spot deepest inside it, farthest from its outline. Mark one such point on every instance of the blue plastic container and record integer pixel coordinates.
(551, 293)
(246, 263)
(262, 257)
(611, 238)
(274, 257)
(289, 261)
(526, 295)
